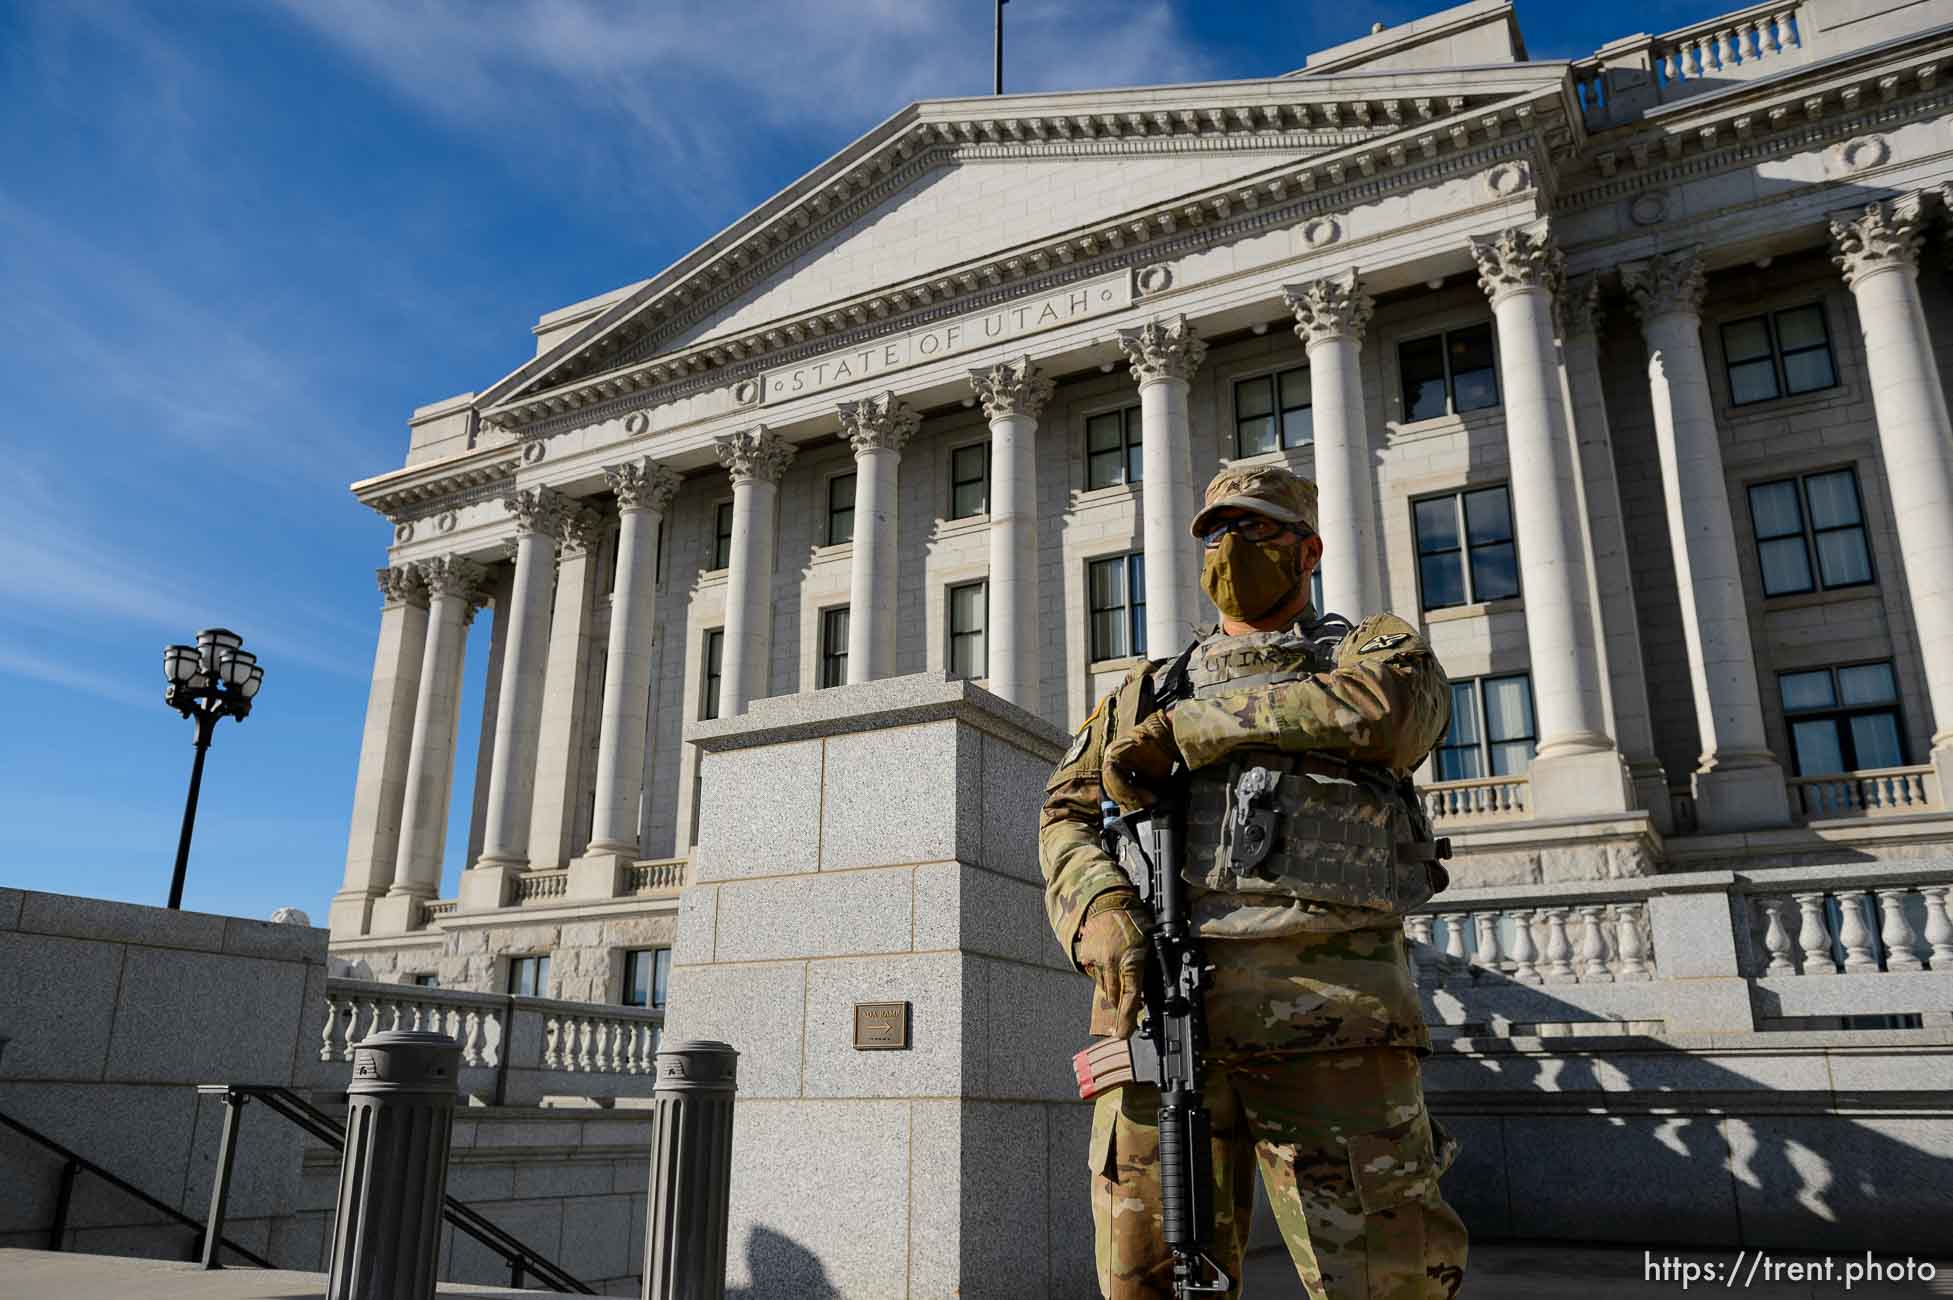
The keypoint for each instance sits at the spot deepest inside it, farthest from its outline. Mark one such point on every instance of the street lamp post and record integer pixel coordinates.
(215, 678)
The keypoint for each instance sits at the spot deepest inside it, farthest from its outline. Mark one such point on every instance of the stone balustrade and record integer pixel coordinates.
(1467, 803)
(1706, 950)
(652, 878)
(1626, 78)
(663, 876)
(1874, 792)
(541, 886)
(514, 1050)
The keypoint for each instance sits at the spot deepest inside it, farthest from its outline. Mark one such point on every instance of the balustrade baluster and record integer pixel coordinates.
(552, 1036)
(586, 1057)
(1423, 952)
(394, 1008)
(1815, 936)
(1939, 927)
(1593, 948)
(1559, 951)
(1776, 938)
(1457, 965)
(1487, 924)
(326, 1045)
(1786, 32)
(1628, 939)
(1860, 958)
(1525, 952)
(1900, 942)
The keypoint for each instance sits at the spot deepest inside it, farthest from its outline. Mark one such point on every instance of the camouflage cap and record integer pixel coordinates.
(1265, 489)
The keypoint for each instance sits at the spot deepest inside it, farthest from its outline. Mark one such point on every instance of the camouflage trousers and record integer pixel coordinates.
(1351, 1163)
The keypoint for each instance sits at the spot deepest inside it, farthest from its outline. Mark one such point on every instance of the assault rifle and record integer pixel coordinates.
(1165, 1050)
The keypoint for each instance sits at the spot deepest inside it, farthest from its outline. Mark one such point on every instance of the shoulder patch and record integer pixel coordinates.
(1083, 738)
(1382, 642)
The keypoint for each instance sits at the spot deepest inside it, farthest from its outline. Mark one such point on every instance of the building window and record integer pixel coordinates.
(834, 647)
(1491, 731)
(1813, 515)
(722, 535)
(424, 980)
(1118, 602)
(647, 973)
(1112, 443)
(1448, 373)
(529, 976)
(1843, 719)
(1465, 551)
(969, 480)
(1272, 411)
(715, 653)
(840, 509)
(969, 610)
(1780, 354)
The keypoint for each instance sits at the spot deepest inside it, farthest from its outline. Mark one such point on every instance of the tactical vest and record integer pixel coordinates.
(1311, 827)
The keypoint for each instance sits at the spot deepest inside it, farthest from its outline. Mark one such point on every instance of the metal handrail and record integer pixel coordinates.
(521, 1259)
(76, 1162)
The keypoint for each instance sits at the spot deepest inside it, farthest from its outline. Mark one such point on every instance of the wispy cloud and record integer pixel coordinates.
(666, 100)
(39, 668)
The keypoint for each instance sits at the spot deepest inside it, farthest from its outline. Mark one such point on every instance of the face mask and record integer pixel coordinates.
(1247, 580)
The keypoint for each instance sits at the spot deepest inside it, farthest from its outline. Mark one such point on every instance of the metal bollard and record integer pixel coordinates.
(400, 1119)
(691, 1172)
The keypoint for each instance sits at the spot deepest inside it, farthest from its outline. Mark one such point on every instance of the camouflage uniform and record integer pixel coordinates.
(1314, 1029)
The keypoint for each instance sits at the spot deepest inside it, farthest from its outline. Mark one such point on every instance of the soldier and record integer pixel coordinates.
(1314, 1029)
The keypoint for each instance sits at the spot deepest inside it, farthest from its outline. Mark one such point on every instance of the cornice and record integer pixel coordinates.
(1703, 138)
(417, 492)
(1294, 192)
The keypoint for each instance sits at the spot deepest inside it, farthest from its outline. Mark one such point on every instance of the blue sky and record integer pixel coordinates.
(239, 242)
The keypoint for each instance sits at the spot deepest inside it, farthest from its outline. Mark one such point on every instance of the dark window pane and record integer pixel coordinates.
(1745, 340)
(722, 536)
(1298, 427)
(1801, 327)
(1253, 397)
(1463, 729)
(840, 509)
(1875, 741)
(1444, 580)
(1842, 558)
(1833, 498)
(1867, 684)
(1774, 508)
(715, 645)
(1512, 758)
(1459, 764)
(1476, 390)
(1753, 381)
(1134, 437)
(1807, 372)
(1474, 382)
(1437, 524)
(1103, 468)
(1255, 435)
(1807, 690)
(967, 500)
(1488, 515)
(1136, 585)
(968, 468)
(661, 979)
(1295, 388)
(1818, 748)
(1109, 634)
(1421, 362)
(1102, 432)
(1786, 566)
(1495, 572)
(1508, 707)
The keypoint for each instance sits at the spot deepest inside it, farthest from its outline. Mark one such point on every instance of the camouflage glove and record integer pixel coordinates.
(1138, 762)
(1113, 952)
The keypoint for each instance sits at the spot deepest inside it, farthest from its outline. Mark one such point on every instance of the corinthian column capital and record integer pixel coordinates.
(1581, 307)
(1666, 284)
(539, 510)
(1163, 350)
(1518, 259)
(754, 455)
(1012, 388)
(402, 585)
(579, 532)
(454, 575)
(1331, 308)
(1884, 236)
(882, 422)
(643, 484)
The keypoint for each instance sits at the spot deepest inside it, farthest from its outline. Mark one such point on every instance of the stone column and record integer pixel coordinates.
(539, 517)
(454, 587)
(1578, 772)
(756, 459)
(1330, 316)
(877, 429)
(1618, 622)
(560, 733)
(380, 791)
(1164, 356)
(644, 491)
(1878, 249)
(1738, 782)
(1013, 394)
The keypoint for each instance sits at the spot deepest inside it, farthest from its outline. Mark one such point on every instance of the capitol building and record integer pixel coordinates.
(1623, 379)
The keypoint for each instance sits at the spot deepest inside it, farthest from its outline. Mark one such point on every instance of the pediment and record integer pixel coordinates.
(951, 200)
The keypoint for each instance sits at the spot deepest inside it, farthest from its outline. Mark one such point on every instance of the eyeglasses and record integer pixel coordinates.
(1249, 528)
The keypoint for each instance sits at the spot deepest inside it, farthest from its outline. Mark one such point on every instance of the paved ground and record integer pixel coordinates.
(1498, 1273)
(1557, 1272)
